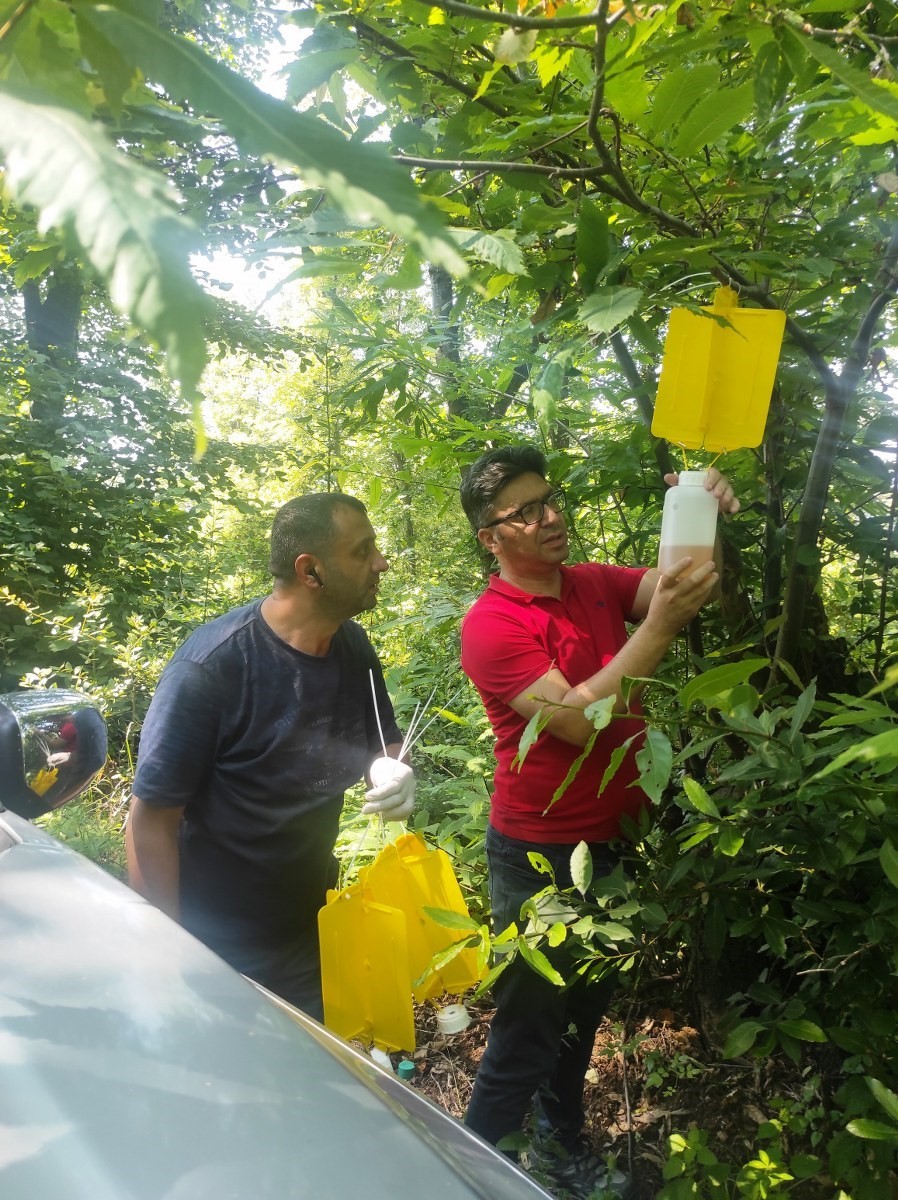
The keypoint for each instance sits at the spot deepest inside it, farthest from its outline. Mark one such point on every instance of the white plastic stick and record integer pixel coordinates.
(376, 713)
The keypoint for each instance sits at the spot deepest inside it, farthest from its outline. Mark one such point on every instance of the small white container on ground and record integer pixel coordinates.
(453, 1018)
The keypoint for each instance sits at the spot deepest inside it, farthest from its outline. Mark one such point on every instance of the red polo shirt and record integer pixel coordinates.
(510, 639)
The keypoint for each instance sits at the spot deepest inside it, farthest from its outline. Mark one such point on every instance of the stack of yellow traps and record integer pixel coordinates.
(377, 941)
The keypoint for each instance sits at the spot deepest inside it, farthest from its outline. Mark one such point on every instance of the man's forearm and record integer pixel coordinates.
(639, 658)
(154, 861)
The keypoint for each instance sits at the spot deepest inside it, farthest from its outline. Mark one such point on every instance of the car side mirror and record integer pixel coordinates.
(52, 744)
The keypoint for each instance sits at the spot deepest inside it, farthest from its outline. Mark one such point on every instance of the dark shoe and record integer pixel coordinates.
(578, 1172)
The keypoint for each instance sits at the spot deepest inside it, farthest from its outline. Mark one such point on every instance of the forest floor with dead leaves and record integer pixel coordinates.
(667, 1081)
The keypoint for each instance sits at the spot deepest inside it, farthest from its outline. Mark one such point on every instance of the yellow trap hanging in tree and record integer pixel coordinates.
(716, 378)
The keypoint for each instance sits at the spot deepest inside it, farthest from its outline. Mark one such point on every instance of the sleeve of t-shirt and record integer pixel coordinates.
(179, 738)
(500, 655)
(622, 582)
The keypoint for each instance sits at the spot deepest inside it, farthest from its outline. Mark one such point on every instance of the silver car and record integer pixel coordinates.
(136, 1065)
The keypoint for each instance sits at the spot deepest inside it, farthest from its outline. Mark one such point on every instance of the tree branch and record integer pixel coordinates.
(482, 166)
(516, 21)
(399, 51)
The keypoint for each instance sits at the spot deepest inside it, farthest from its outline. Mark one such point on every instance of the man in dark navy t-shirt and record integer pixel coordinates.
(260, 722)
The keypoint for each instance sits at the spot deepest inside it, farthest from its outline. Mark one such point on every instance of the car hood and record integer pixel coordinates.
(136, 1065)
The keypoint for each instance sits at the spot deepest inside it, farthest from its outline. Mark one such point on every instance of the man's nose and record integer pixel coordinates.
(381, 564)
(551, 516)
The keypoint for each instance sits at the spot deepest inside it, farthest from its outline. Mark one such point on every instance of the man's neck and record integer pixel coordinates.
(298, 624)
(542, 584)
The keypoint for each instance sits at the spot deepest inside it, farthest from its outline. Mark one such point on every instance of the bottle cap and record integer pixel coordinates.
(406, 1070)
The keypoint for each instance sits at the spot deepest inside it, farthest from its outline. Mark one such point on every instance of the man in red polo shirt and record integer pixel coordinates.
(550, 637)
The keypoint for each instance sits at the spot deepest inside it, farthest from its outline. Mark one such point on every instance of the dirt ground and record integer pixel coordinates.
(667, 1081)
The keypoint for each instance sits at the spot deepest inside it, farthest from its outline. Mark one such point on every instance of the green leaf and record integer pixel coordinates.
(546, 393)
(600, 712)
(886, 1098)
(679, 90)
(515, 46)
(742, 1038)
(310, 71)
(714, 116)
(557, 934)
(719, 680)
(532, 730)
(730, 841)
(618, 754)
(867, 90)
(699, 799)
(613, 931)
(592, 244)
(655, 761)
(874, 1131)
(581, 868)
(802, 1031)
(888, 860)
(360, 178)
(499, 249)
(450, 919)
(604, 310)
(882, 745)
(572, 772)
(538, 961)
(121, 214)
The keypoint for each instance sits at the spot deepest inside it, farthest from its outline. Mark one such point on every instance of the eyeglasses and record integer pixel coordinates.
(533, 511)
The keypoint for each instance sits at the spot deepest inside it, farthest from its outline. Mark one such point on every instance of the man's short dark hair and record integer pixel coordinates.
(304, 525)
(486, 478)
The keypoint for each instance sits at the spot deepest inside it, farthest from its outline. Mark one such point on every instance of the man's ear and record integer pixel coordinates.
(488, 539)
(306, 568)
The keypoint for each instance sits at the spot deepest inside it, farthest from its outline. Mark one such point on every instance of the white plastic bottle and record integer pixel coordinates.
(689, 522)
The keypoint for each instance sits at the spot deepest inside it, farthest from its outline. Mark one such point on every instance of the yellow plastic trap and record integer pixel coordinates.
(716, 380)
(376, 940)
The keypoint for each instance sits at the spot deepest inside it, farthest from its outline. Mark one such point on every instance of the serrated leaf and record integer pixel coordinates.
(581, 867)
(867, 90)
(613, 930)
(618, 754)
(714, 116)
(120, 213)
(600, 712)
(882, 745)
(888, 860)
(529, 735)
(607, 307)
(360, 178)
(699, 799)
(538, 961)
(450, 919)
(679, 90)
(719, 680)
(572, 772)
(500, 250)
(741, 1039)
(309, 71)
(655, 760)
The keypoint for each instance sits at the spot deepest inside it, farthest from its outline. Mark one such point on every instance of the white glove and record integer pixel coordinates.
(393, 791)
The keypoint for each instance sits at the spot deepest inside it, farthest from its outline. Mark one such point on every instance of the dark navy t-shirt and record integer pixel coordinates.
(258, 741)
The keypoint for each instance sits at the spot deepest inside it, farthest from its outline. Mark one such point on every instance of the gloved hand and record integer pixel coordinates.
(393, 791)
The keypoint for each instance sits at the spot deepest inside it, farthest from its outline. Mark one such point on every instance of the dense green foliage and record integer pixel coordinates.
(479, 220)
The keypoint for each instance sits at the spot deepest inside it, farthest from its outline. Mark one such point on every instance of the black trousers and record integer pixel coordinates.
(541, 1037)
